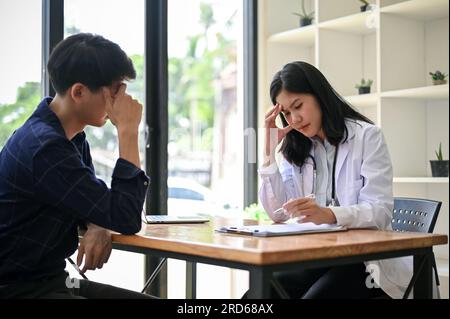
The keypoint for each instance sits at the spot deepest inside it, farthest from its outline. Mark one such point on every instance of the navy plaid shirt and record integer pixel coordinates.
(48, 188)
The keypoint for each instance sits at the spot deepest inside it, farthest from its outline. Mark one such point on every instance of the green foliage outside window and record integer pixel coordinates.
(191, 90)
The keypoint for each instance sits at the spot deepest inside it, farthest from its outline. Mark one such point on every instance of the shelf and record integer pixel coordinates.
(419, 9)
(362, 23)
(356, 24)
(435, 92)
(302, 36)
(421, 180)
(363, 100)
(409, 39)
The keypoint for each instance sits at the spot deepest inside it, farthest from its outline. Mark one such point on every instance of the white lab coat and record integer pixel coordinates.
(364, 191)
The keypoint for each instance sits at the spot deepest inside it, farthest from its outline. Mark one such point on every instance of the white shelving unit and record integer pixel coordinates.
(424, 180)
(436, 92)
(353, 24)
(364, 100)
(304, 36)
(396, 45)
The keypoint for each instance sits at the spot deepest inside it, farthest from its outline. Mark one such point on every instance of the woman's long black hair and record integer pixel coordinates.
(301, 77)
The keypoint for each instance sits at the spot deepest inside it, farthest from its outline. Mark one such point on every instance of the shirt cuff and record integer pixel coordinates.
(126, 170)
(343, 217)
(268, 170)
(127, 178)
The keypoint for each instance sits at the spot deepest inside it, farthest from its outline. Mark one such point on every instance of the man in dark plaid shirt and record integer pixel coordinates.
(48, 186)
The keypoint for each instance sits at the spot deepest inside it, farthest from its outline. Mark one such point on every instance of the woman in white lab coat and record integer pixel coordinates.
(335, 153)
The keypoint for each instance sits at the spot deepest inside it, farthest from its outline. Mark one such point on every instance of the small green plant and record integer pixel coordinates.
(256, 212)
(439, 167)
(364, 84)
(439, 153)
(438, 76)
(366, 5)
(304, 14)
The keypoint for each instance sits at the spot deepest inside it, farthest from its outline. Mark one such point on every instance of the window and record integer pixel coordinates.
(20, 83)
(123, 23)
(205, 69)
(104, 17)
(205, 120)
(205, 106)
(183, 193)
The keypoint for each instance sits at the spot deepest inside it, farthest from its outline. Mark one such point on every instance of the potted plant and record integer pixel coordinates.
(256, 212)
(439, 167)
(364, 86)
(438, 77)
(365, 5)
(305, 18)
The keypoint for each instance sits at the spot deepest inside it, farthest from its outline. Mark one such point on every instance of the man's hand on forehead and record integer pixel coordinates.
(115, 87)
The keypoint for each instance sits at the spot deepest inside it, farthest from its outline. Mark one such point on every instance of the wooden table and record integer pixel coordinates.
(200, 243)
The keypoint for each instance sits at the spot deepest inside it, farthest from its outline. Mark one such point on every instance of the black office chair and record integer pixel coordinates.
(416, 215)
(409, 215)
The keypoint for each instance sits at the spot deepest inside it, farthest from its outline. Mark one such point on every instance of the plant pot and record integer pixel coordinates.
(364, 90)
(439, 168)
(364, 8)
(305, 21)
(439, 82)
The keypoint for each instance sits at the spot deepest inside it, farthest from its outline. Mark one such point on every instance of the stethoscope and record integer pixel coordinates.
(281, 211)
(333, 185)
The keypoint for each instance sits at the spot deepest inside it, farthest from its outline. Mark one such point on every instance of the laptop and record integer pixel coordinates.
(168, 219)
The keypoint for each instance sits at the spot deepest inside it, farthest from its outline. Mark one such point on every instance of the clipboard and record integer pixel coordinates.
(281, 229)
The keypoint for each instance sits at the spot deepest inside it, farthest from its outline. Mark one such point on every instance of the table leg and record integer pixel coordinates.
(191, 280)
(259, 283)
(423, 288)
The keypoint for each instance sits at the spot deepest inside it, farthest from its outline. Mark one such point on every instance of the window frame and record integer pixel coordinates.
(156, 101)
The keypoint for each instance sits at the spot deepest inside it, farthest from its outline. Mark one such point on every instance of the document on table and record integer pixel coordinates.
(281, 229)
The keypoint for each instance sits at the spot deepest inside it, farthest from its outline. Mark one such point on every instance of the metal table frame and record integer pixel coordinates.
(261, 275)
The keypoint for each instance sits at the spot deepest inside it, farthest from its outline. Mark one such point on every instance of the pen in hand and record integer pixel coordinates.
(77, 268)
(282, 211)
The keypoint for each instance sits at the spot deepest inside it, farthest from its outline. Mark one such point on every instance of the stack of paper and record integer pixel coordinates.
(281, 229)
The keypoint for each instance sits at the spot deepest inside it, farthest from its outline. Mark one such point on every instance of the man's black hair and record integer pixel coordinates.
(88, 59)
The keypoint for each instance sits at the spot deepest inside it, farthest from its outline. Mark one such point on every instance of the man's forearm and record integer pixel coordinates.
(128, 146)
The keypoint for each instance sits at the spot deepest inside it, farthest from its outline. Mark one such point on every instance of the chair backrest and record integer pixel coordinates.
(415, 215)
